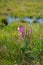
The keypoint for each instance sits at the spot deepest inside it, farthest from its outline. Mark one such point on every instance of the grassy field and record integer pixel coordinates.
(22, 8)
(11, 45)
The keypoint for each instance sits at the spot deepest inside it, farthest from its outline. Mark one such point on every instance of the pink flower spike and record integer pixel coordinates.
(21, 29)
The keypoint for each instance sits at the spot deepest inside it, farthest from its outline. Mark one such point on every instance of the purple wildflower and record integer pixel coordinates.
(21, 29)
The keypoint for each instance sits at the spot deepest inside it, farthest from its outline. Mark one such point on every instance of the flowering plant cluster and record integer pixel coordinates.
(24, 32)
(25, 35)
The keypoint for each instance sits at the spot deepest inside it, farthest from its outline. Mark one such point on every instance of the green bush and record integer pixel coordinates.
(35, 20)
(4, 21)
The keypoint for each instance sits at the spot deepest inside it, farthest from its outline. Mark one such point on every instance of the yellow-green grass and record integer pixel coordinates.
(22, 8)
(10, 44)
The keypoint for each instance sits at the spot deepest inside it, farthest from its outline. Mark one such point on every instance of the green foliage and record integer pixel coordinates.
(14, 51)
(3, 22)
(22, 8)
(35, 20)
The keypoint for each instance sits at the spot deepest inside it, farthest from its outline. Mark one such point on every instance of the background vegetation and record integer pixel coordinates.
(21, 8)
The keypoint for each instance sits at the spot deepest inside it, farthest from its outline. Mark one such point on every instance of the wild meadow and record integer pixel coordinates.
(21, 8)
(24, 47)
(21, 43)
